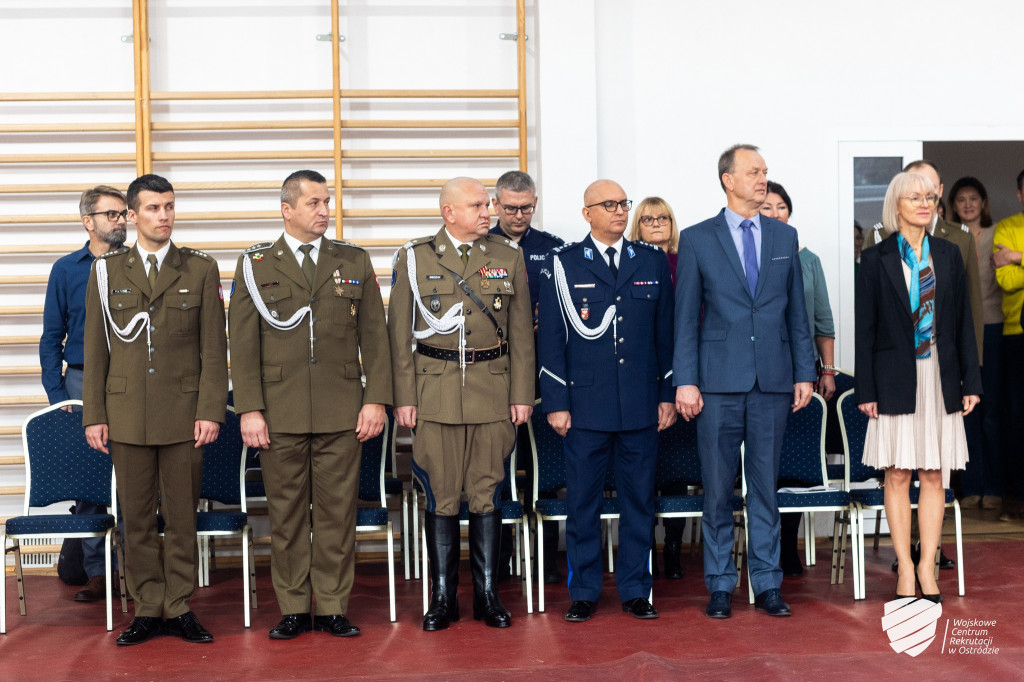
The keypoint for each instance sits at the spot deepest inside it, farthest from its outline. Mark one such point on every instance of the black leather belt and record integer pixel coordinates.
(472, 354)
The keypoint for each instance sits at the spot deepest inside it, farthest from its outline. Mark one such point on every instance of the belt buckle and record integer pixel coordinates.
(470, 356)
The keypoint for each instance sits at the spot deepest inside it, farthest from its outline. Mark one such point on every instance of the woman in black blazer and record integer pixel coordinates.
(917, 368)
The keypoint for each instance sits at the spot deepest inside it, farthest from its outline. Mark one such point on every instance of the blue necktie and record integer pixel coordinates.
(749, 255)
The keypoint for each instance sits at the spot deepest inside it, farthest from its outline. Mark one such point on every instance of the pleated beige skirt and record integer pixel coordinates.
(928, 439)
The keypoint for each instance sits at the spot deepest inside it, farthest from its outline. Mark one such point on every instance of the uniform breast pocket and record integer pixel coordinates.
(183, 313)
(123, 307)
(277, 299)
(433, 292)
(347, 300)
(646, 292)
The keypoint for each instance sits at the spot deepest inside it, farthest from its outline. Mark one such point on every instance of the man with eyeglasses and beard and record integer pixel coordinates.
(103, 215)
(515, 202)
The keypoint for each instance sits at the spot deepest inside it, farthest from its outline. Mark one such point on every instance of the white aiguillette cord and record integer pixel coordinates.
(261, 307)
(452, 319)
(565, 300)
(124, 334)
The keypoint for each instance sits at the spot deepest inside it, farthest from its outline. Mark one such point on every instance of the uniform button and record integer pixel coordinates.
(620, 318)
(272, 298)
(469, 312)
(184, 305)
(152, 328)
(648, 295)
(622, 340)
(622, 361)
(435, 290)
(312, 299)
(312, 361)
(313, 339)
(312, 319)
(152, 371)
(120, 305)
(572, 383)
(152, 308)
(751, 338)
(618, 298)
(468, 332)
(424, 369)
(584, 299)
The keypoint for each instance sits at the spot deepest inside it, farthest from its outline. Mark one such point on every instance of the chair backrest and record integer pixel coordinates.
(224, 464)
(803, 444)
(844, 381)
(678, 459)
(548, 454)
(59, 464)
(373, 461)
(854, 425)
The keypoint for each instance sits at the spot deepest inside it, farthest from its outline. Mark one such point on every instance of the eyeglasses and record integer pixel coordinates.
(112, 216)
(918, 200)
(661, 220)
(512, 210)
(610, 205)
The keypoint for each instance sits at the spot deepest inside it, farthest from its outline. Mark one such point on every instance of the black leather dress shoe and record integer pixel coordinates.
(772, 603)
(292, 625)
(187, 627)
(720, 605)
(141, 629)
(337, 625)
(580, 611)
(639, 608)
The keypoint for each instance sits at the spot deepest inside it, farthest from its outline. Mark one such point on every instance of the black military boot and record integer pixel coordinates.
(443, 555)
(505, 554)
(484, 538)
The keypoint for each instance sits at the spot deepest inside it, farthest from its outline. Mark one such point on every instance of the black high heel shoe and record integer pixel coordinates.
(933, 598)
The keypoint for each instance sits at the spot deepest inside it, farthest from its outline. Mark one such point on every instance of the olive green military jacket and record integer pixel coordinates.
(299, 389)
(496, 273)
(155, 398)
(961, 236)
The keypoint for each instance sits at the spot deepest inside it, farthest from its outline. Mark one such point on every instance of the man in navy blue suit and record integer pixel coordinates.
(605, 348)
(743, 358)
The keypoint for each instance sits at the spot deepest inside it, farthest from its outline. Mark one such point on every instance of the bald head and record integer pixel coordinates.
(598, 188)
(465, 208)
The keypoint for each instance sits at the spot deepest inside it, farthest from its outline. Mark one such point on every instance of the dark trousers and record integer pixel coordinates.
(757, 420)
(1011, 369)
(162, 578)
(634, 454)
(984, 473)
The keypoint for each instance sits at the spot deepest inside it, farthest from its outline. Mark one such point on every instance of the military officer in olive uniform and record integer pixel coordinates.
(605, 348)
(303, 310)
(462, 344)
(155, 387)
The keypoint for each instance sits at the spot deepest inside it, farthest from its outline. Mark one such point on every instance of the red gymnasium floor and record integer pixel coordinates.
(829, 636)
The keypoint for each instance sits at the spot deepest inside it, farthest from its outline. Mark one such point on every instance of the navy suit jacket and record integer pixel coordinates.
(741, 339)
(607, 385)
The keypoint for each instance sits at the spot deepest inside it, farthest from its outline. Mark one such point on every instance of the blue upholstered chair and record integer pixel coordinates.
(224, 462)
(59, 467)
(855, 425)
(803, 460)
(549, 477)
(372, 515)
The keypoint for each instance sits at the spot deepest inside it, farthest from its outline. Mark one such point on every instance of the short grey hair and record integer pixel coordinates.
(292, 187)
(900, 185)
(514, 181)
(727, 161)
(91, 197)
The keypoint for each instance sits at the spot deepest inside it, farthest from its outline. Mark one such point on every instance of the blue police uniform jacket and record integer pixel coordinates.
(613, 382)
(535, 245)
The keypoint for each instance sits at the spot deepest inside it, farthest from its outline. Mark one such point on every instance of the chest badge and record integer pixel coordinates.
(352, 309)
(435, 304)
(508, 286)
(273, 313)
(485, 284)
(337, 276)
(585, 312)
(497, 302)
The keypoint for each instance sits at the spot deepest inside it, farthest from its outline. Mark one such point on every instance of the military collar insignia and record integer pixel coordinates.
(441, 248)
(630, 251)
(588, 253)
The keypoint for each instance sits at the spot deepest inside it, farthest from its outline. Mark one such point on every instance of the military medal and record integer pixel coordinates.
(585, 312)
(352, 310)
(337, 276)
(338, 291)
(497, 302)
(485, 284)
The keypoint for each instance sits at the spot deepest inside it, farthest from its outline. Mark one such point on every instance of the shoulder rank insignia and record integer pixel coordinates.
(877, 227)
(653, 247)
(195, 252)
(115, 252)
(965, 228)
(588, 253)
(514, 245)
(340, 242)
(562, 247)
(259, 247)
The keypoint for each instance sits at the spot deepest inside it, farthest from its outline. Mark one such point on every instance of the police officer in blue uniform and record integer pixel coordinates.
(515, 200)
(605, 349)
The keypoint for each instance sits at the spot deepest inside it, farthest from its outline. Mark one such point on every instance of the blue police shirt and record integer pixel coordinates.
(64, 320)
(534, 243)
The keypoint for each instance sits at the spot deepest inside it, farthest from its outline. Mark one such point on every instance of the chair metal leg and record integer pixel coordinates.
(20, 577)
(525, 522)
(391, 571)
(245, 575)
(959, 547)
(123, 582)
(405, 531)
(415, 534)
(516, 548)
(611, 553)
(252, 570)
(3, 583)
(540, 563)
(107, 577)
(842, 545)
(808, 539)
(878, 527)
(746, 541)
